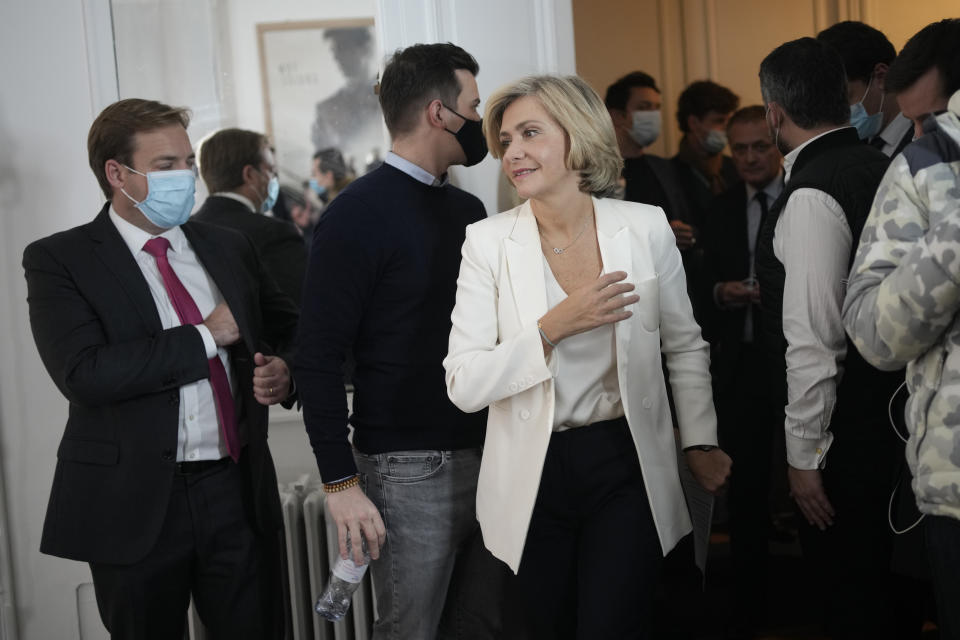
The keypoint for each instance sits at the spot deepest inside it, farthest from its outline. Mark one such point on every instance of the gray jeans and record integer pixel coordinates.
(433, 564)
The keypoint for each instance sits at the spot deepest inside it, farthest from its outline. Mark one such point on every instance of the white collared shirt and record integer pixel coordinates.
(198, 435)
(239, 198)
(813, 241)
(893, 133)
(416, 172)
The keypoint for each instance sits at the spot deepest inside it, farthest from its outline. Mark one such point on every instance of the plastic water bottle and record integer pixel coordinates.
(344, 580)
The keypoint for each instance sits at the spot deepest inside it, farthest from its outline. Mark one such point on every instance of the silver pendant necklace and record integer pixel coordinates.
(560, 250)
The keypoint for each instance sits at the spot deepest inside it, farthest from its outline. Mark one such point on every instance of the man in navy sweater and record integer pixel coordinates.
(381, 284)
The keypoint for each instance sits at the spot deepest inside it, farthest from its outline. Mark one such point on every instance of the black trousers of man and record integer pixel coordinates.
(748, 423)
(851, 560)
(942, 535)
(208, 548)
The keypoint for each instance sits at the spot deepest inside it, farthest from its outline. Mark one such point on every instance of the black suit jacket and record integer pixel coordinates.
(100, 337)
(726, 257)
(280, 245)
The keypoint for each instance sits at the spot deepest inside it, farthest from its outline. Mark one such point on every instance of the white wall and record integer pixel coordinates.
(508, 39)
(55, 80)
(45, 111)
(240, 18)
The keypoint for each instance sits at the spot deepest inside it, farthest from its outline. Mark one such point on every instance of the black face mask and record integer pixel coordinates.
(471, 140)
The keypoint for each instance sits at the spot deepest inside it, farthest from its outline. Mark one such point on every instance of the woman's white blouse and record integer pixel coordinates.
(586, 386)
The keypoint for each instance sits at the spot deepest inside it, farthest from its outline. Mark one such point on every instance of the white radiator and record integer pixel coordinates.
(311, 546)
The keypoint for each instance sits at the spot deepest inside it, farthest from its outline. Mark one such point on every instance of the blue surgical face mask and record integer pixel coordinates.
(715, 141)
(273, 190)
(645, 128)
(318, 188)
(169, 198)
(867, 125)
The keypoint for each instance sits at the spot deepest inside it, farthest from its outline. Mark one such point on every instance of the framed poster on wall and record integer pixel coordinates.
(319, 82)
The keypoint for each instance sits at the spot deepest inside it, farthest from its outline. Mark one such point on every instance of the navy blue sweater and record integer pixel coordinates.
(382, 281)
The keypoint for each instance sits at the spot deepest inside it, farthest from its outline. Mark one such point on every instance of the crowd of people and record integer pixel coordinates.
(545, 400)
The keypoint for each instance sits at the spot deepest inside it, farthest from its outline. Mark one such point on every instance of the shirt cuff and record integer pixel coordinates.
(806, 454)
(716, 295)
(209, 344)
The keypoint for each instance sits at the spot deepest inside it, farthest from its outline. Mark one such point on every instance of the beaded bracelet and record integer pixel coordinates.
(343, 485)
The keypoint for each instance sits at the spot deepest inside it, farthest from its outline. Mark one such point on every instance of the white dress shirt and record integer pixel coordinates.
(893, 133)
(584, 367)
(245, 201)
(813, 241)
(198, 436)
(415, 171)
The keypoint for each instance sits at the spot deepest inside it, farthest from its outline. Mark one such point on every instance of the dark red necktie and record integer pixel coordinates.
(188, 313)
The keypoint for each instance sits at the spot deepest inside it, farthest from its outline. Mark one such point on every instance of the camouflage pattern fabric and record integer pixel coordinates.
(903, 300)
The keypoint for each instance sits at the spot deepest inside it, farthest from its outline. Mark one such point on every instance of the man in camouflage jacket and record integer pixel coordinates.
(901, 309)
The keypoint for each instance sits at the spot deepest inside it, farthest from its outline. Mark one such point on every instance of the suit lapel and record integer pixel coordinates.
(219, 269)
(525, 267)
(613, 236)
(116, 257)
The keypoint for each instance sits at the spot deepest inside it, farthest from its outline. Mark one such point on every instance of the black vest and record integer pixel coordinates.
(849, 171)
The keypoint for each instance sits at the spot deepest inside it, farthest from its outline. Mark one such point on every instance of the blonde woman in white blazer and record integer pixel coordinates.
(564, 307)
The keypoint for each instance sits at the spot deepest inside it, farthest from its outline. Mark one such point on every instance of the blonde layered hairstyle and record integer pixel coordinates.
(592, 143)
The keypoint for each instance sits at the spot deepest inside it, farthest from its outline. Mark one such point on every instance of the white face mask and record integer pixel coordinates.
(715, 141)
(645, 128)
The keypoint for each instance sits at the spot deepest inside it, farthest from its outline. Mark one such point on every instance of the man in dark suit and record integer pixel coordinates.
(703, 110)
(158, 331)
(702, 170)
(746, 412)
(634, 104)
(241, 175)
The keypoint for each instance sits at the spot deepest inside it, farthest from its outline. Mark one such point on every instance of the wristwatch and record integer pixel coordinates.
(700, 447)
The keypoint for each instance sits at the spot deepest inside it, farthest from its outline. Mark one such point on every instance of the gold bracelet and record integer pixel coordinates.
(343, 485)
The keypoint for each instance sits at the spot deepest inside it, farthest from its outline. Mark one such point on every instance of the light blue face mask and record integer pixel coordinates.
(170, 196)
(867, 125)
(273, 190)
(646, 127)
(318, 188)
(715, 141)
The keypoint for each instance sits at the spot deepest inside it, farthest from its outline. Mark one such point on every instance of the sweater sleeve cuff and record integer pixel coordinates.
(336, 463)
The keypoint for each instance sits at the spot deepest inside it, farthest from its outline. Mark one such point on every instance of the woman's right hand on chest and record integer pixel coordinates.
(597, 303)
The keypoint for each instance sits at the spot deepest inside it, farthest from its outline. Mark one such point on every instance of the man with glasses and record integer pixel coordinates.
(742, 391)
(240, 171)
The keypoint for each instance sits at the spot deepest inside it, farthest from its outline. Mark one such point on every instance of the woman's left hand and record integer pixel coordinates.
(710, 468)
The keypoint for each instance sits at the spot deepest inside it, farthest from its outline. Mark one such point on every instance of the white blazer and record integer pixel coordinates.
(496, 359)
